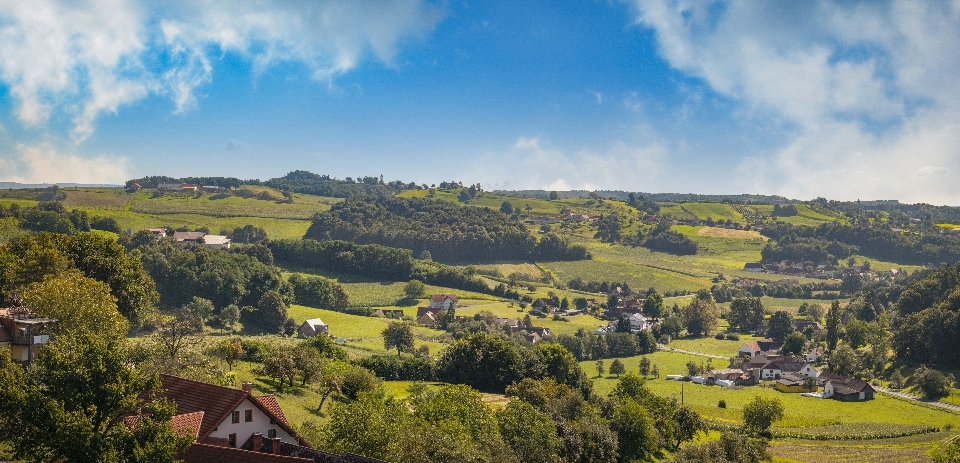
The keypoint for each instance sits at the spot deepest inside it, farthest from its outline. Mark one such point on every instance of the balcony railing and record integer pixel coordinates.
(31, 340)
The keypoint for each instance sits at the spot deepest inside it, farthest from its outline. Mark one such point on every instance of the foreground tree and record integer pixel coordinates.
(760, 414)
(398, 335)
(74, 403)
(80, 304)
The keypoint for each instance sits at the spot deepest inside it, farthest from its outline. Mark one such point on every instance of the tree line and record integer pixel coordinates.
(448, 232)
(876, 241)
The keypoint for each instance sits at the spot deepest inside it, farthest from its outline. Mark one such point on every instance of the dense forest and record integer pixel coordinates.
(663, 239)
(448, 232)
(301, 181)
(928, 327)
(878, 242)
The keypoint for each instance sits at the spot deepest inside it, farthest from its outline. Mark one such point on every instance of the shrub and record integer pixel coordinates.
(719, 336)
(733, 337)
(256, 350)
(722, 403)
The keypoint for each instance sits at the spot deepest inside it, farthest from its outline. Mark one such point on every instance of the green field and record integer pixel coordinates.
(715, 211)
(799, 411)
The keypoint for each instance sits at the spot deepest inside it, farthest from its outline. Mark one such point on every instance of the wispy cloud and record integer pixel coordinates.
(44, 164)
(532, 163)
(866, 89)
(90, 58)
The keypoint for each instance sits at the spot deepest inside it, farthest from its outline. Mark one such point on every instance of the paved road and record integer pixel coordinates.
(908, 396)
(702, 354)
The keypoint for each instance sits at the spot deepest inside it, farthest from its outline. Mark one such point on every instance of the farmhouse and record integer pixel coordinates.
(188, 237)
(754, 348)
(545, 302)
(311, 328)
(815, 354)
(845, 389)
(753, 267)
(427, 318)
(216, 241)
(775, 370)
(795, 384)
(443, 301)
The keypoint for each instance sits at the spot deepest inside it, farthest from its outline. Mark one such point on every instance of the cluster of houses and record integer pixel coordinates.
(791, 374)
(186, 187)
(440, 303)
(638, 323)
(210, 241)
(822, 269)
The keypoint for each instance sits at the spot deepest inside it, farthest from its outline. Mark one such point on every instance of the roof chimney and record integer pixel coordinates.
(276, 446)
(257, 441)
(247, 386)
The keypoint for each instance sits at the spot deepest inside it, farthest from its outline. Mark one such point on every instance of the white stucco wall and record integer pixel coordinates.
(243, 429)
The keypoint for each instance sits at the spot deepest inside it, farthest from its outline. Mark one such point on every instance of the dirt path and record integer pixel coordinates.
(908, 396)
(702, 354)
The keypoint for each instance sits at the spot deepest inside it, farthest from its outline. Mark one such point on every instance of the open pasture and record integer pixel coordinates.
(227, 207)
(275, 228)
(715, 211)
(800, 412)
(97, 198)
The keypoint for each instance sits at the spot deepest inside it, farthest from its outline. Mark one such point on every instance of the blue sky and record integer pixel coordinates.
(804, 99)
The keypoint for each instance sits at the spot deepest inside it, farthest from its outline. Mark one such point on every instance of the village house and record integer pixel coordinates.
(216, 241)
(443, 301)
(188, 237)
(234, 425)
(545, 303)
(754, 348)
(775, 370)
(793, 383)
(396, 314)
(158, 232)
(311, 328)
(24, 333)
(845, 389)
(753, 267)
(815, 354)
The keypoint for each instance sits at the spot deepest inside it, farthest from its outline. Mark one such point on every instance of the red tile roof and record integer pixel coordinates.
(188, 423)
(217, 402)
(442, 297)
(270, 403)
(203, 453)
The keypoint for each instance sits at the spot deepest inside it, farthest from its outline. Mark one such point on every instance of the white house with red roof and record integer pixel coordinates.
(443, 301)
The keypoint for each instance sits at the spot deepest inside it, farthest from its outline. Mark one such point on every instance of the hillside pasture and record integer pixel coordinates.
(715, 232)
(275, 228)
(800, 412)
(97, 198)
(715, 211)
(227, 207)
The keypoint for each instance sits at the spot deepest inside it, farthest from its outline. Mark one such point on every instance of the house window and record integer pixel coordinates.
(236, 416)
(248, 415)
(232, 438)
(272, 433)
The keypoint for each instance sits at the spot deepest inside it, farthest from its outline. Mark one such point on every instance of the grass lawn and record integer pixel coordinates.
(504, 310)
(799, 411)
(711, 345)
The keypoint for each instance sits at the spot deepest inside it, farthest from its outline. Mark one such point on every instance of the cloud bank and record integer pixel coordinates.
(87, 58)
(866, 92)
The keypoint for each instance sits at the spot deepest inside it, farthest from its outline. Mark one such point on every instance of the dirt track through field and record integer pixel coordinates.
(729, 233)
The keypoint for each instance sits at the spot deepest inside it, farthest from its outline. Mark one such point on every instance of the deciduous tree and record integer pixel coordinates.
(398, 335)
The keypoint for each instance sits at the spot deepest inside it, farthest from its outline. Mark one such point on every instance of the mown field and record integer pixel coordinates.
(715, 211)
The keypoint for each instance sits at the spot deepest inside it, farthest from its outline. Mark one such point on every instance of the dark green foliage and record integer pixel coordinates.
(787, 210)
(760, 413)
(404, 368)
(530, 433)
(636, 436)
(653, 305)
(780, 325)
(621, 345)
(269, 315)
(323, 185)
(373, 261)
(506, 208)
(931, 383)
(450, 233)
(105, 223)
(877, 242)
(730, 448)
(663, 239)
(72, 402)
(483, 361)
(833, 325)
(608, 228)
(257, 251)
(646, 343)
(182, 272)
(248, 234)
(746, 313)
(794, 344)
(32, 258)
(319, 292)
(928, 329)
(223, 182)
(398, 335)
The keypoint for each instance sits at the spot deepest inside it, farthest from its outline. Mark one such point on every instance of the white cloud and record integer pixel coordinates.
(865, 86)
(44, 164)
(93, 57)
(533, 164)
